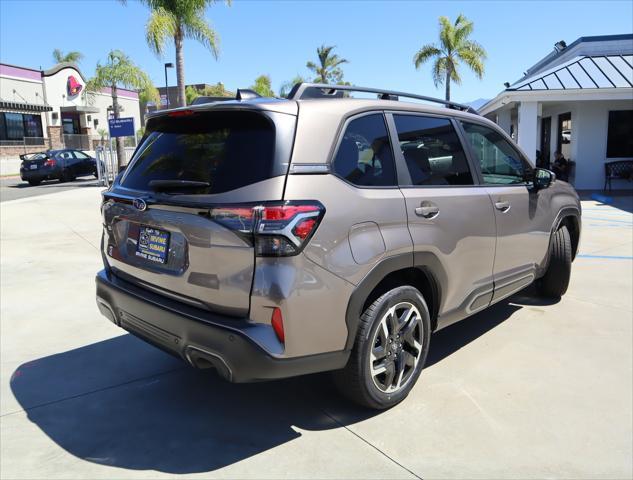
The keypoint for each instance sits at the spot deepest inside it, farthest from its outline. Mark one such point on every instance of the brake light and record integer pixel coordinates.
(50, 162)
(275, 230)
(277, 322)
(181, 113)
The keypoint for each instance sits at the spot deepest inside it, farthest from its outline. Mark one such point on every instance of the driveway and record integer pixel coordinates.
(13, 187)
(525, 389)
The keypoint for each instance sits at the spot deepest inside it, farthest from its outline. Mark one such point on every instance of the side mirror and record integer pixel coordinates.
(543, 178)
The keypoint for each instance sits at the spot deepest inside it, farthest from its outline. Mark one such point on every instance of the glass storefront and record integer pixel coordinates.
(17, 126)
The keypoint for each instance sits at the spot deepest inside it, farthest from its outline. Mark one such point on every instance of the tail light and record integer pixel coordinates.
(275, 229)
(50, 162)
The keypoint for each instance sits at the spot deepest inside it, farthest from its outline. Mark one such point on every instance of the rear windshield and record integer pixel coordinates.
(228, 150)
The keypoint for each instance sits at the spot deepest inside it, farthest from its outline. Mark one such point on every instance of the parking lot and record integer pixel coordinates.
(13, 187)
(524, 389)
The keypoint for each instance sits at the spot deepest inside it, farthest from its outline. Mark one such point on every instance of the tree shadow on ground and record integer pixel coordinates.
(123, 403)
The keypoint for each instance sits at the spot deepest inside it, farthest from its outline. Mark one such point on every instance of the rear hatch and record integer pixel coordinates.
(35, 161)
(180, 220)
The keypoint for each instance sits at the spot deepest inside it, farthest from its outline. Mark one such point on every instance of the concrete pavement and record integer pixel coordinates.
(524, 389)
(14, 188)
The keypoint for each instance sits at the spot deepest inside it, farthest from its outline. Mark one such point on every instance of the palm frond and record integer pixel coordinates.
(196, 28)
(160, 27)
(425, 53)
(446, 33)
(439, 71)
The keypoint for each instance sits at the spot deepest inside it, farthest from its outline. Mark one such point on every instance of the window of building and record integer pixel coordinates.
(620, 134)
(432, 151)
(564, 134)
(364, 156)
(16, 126)
(32, 125)
(500, 162)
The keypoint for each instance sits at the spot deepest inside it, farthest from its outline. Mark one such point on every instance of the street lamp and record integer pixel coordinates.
(167, 65)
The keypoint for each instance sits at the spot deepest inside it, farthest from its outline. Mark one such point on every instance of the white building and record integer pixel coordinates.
(578, 100)
(42, 109)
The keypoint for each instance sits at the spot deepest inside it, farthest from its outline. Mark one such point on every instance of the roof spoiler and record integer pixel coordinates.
(302, 91)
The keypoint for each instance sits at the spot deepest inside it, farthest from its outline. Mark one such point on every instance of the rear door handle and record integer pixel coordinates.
(427, 210)
(502, 206)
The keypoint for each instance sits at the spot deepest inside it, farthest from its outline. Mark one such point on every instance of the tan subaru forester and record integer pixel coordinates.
(268, 238)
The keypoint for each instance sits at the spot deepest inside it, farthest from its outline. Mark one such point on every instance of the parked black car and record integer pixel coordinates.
(63, 165)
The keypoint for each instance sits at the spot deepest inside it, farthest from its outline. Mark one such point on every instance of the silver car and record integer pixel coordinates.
(268, 238)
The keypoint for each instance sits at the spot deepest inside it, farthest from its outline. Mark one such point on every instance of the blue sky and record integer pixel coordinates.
(278, 37)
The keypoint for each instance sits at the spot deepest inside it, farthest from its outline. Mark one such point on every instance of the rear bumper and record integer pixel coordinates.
(202, 339)
(38, 175)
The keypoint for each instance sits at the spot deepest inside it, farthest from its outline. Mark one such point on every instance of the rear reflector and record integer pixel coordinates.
(278, 324)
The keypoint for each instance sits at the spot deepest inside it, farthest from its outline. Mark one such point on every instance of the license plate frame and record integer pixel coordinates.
(153, 244)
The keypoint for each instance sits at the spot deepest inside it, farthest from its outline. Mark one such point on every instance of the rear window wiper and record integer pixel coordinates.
(159, 185)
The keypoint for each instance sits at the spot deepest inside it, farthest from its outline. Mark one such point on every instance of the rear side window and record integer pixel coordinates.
(432, 151)
(364, 156)
(226, 149)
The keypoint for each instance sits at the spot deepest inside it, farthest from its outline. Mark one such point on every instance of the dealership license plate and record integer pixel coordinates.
(33, 167)
(153, 244)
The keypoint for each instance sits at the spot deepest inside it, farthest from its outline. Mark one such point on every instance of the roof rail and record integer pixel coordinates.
(302, 91)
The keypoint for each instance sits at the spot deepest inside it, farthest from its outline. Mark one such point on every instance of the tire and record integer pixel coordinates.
(66, 176)
(34, 183)
(556, 279)
(357, 381)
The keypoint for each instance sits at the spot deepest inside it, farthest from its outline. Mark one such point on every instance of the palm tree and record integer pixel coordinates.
(177, 20)
(262, 86)
(328, 68)
(286, 87)
(454, 47)
(70, 57)
(119, 71)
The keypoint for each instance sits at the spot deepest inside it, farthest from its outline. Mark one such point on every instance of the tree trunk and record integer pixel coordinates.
(180, 68)
(120, 147)
(448, 84)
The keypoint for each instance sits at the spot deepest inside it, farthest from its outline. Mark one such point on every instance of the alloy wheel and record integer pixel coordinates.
(396, 347)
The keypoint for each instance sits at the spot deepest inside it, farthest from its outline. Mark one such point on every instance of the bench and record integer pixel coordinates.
(621, 169)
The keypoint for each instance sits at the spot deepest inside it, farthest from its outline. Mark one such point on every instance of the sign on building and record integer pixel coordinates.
(121, 127)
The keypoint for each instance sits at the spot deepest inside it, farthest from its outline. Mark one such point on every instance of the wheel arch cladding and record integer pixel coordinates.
(388, 274)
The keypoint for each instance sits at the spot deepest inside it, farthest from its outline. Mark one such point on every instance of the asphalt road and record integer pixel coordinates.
(13, 188)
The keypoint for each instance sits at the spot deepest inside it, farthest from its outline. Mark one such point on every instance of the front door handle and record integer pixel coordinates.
(427, 210)
(502, 206)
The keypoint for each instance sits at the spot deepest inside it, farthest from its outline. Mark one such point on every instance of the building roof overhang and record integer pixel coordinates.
(569, 95)
(24, 107)
(79, 109)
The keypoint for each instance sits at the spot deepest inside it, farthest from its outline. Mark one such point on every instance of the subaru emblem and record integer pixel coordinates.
(139, 204)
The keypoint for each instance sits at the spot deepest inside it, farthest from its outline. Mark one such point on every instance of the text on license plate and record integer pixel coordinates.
(33, 167)
(153, 244)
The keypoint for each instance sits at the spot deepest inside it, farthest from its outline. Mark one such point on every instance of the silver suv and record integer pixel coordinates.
(268, 238)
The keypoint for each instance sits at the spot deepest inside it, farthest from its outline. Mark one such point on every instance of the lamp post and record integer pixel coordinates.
(167, 65)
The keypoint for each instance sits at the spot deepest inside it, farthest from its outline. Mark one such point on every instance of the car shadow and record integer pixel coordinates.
(121, 402)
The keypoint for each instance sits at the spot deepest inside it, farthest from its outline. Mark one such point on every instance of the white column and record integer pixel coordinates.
(528, 112)
(504, 119)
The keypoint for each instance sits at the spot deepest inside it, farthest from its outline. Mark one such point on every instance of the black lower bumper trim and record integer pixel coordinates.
(202, 339)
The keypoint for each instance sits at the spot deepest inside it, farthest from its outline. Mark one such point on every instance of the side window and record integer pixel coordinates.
(80, 155)
(499, 160)
(432, 151)
(364, 156)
